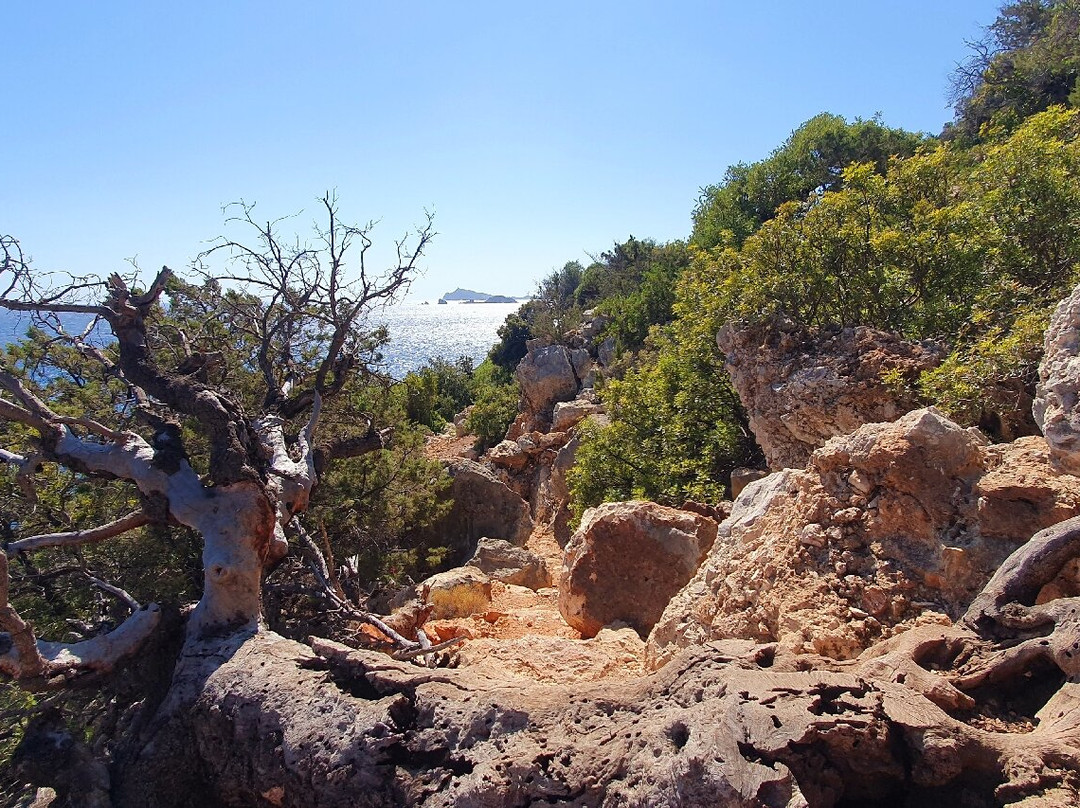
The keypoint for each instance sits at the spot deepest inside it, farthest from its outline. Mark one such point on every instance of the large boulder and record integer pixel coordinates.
(894, 525)
(546, 376)
(482, 505)
(625, 562)
(801, 388)
(502, 561)
(1058, 391)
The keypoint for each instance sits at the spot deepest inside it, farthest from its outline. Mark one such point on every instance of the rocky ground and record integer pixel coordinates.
(890, 616)
(877, 591)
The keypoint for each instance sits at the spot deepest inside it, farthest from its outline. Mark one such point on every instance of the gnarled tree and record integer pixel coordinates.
(224, 443)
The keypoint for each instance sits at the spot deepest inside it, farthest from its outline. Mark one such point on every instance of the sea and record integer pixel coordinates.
(420, 331)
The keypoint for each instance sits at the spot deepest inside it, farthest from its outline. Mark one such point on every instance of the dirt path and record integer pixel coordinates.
(522, 634)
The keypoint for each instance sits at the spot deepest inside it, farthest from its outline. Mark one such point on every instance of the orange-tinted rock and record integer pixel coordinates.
(625, 562)
(895, 524)
(801, 388)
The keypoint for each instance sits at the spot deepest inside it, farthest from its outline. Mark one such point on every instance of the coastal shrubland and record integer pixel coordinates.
(959, 245)
(969, 242)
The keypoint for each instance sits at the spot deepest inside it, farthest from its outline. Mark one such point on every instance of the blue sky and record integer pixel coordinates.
(537, 133)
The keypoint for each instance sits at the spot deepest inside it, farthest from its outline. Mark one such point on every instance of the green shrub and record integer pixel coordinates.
(438, 391)
(495, 403)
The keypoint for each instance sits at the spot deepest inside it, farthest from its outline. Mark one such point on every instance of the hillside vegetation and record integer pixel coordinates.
(968, 239)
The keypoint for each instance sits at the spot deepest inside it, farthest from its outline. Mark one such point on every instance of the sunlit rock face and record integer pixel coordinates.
(801, 388)
(625, 562)
(896, 524)
(1058, 391)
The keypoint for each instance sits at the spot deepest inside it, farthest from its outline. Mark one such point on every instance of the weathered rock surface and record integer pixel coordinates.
(1058, 392)
(567, 414)
(483, 505)
(458, 592)
(502, 561)
(895, 525)
(546, 376)
(742, 477)
(525, 465)
(727, 724)
(801, 389)
(612, 654)
(625, 562)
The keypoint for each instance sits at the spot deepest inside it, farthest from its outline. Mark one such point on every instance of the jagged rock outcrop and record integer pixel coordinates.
(894, 525)
(625, 562)
(525, 466)
(502, 561)
(546, 376)
(483, 505)
(799, 388)
(1058, 392)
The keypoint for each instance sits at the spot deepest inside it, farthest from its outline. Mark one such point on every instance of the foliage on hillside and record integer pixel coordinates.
(970, 247)
(810, 161)
(966, 241)
(1028, 61)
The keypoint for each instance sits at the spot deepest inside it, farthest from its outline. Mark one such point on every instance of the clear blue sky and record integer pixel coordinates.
(537, 133)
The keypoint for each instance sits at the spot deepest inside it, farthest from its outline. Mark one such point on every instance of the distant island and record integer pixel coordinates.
(469, 296)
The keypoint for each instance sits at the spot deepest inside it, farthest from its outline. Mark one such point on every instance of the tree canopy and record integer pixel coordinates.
(1028, 61)
(810, 161)
(216, 414)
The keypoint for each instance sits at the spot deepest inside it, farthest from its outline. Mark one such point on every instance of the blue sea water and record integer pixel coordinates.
(425, 330)
(419, 331)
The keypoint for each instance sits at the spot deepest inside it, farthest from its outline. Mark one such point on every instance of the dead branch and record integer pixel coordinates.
(133, 520)
(52, 664)
(318, 566)
(352, 446)
(23, 659)
(1021, 576)
(115, 591)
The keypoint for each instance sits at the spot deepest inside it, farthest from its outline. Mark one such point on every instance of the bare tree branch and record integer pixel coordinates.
(133, 520)
(115, 591)
(23, 659)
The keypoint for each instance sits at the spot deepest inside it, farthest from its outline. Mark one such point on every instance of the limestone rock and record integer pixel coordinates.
(502, 561)
(894, 525)
(567, 414)
(483, 505)
(508, 454)
(1058, 392)
(800, 389)
(546, 376)
(605, 352)
(582, 363)
(459, 422)
(593, 324)
(730, 724)
(741, 477)
(459, 592)
(625, 562)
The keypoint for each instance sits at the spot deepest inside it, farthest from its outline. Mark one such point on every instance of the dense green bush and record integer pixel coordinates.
(676, 430)
(810, 162)
(495, 403)
(971, 246)
(438, 391)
